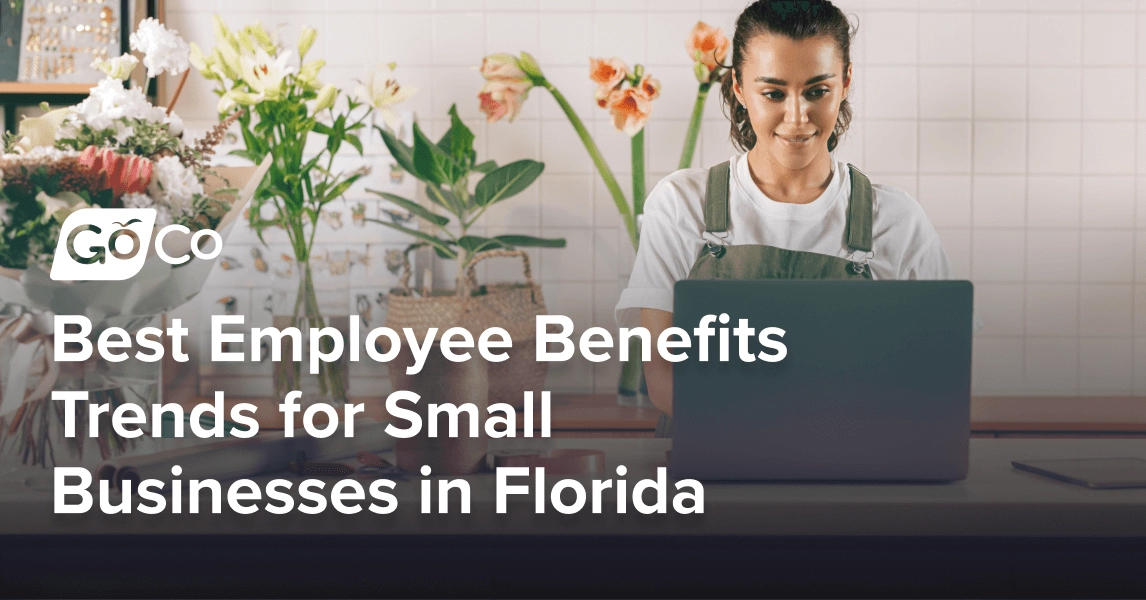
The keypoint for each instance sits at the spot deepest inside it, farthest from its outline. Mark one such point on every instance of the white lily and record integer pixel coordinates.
(381, 91)
(119, 67)
(264, 73)
(60, 206)
(41, 131)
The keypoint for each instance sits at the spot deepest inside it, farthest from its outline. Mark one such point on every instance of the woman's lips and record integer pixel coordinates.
(795, 141)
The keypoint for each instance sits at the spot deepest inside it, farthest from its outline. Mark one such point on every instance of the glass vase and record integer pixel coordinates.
(312, 297)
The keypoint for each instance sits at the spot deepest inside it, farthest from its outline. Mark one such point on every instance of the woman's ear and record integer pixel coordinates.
(848, 82)
(739, 93)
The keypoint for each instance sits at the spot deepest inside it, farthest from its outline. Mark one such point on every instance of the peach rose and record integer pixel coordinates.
(502, 67)
(607, 73)
(630, 108)
(707, 45)
(503, 98)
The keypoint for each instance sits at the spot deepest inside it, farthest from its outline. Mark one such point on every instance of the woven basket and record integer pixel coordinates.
(513, 307)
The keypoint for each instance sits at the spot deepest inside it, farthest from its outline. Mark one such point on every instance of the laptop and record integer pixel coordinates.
(875, 384)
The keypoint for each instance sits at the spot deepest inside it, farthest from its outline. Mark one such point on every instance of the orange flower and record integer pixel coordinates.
(630, 108)
(503, 98)
(707, 45)
(607, 73)
(650, 87)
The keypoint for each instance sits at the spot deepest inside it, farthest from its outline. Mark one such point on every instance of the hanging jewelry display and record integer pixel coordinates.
(61, 38)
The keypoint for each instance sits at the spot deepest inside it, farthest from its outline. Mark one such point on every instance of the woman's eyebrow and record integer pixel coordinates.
(774, 81)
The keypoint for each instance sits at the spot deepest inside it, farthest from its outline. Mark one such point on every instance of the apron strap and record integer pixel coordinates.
(716, 199)
(859, 212)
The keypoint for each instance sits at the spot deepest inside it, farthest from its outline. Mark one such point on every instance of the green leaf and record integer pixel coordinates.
(458, 141)
(507, 181)
(528, 241)
(476, 243)
(402, 153)
(354, 141)
(432, 163)
(441, 246)
(413, 207)
(485, 167)
(446, 199)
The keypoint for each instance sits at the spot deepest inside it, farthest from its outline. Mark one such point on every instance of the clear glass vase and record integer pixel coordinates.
(631, 388)
(311, 297)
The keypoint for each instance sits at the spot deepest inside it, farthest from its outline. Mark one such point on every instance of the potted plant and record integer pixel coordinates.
(449, 168)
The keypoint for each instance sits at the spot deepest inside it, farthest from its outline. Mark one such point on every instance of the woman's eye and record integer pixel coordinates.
(774, 95)
(817, 93)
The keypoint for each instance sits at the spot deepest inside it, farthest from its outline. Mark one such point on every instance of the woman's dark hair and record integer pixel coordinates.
(798, 20)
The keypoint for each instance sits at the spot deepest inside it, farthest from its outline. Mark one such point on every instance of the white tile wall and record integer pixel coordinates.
(1015, 123)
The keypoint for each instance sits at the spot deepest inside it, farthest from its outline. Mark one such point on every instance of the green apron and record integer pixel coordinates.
(753, 261)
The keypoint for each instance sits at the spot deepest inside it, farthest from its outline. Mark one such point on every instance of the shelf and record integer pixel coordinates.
(16, 87)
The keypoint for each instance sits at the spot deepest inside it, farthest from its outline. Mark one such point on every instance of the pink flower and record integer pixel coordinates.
(707, 45)
(122, 173)
(503, 98)
(607, 73)
(502, 67)
(630, 108)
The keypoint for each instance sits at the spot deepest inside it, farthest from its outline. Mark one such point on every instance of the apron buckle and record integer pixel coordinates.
(716, 250)
(859, 266)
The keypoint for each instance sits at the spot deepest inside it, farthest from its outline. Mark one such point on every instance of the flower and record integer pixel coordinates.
(306, 40)
(650, 87)
(122, 173)
(707, 46)
(119, 67)
(162, 213)
(502, 67)
(607, 73)
(264, 73)
(108, 101)
(630, 108)
(308, 74)
(163, 50)
(175, 186)
(326, 97)
(41, 131)
(503, 98)
(60, 206)
(381, 91)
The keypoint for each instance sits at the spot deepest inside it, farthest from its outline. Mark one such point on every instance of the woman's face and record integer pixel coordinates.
(792, 90)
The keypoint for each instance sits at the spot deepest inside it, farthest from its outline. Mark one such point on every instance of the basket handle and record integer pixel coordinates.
(404, 279)
(471, 279)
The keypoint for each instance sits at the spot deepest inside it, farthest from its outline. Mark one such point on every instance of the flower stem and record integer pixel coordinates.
(694, 127)
(638, 152)
(598, 161)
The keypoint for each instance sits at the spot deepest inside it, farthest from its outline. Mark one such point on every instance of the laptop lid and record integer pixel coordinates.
(875, 383)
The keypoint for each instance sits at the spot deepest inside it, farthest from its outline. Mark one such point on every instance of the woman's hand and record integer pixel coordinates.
(658, 372)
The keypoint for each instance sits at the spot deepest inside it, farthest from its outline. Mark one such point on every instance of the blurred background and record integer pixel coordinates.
(1017, 125)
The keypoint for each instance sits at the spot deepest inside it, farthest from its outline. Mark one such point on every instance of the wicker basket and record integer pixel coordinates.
(513, 307)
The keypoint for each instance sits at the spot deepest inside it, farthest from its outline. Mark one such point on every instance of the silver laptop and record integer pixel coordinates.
(875, 385)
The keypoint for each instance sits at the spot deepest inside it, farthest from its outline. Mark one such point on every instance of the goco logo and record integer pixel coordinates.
(110, 244)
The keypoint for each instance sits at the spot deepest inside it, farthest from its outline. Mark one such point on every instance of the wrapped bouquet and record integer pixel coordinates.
(113, 150)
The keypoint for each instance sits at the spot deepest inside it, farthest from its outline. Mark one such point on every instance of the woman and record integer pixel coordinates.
(785, 208)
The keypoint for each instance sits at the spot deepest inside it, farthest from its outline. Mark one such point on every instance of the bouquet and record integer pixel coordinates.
(279, 107)
(113, 150)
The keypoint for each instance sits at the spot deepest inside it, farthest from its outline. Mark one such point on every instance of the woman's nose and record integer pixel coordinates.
(796, 111)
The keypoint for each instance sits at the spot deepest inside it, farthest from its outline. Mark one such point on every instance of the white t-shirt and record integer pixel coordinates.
(904, 243)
